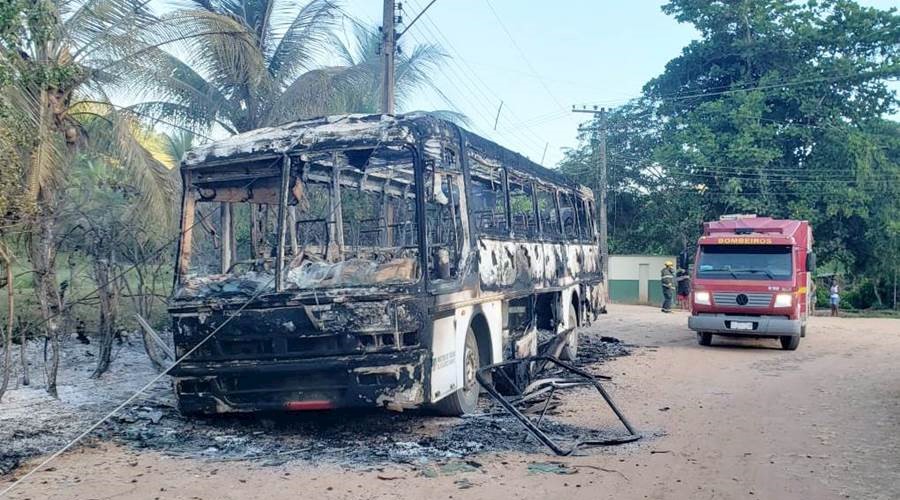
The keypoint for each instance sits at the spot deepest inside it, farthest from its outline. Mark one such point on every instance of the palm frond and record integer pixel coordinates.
(142, 154)
(106, 25)
(306, 36)
(180, 143)
(217, 46)
(308, 96)
(164, 79)
(446, 114)
(414, 70)
(46, 163)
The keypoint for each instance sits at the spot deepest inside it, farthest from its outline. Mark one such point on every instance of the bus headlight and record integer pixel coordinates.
(783, 300)
(701, 298)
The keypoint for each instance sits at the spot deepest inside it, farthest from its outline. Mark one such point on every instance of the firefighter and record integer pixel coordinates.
(667, 278)
(683, 287)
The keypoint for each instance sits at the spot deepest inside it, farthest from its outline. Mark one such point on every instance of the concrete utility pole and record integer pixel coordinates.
(388, 50)
(598, 151)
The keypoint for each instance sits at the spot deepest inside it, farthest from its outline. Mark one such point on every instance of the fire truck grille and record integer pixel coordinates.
(743, 299)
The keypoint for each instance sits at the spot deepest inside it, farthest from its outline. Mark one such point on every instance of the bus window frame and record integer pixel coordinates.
(553, 191)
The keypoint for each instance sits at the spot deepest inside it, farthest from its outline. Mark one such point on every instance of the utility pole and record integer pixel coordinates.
(598, 152)
(388, 50)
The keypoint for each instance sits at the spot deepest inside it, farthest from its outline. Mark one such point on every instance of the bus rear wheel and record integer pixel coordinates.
(570, 350)
(465, 399)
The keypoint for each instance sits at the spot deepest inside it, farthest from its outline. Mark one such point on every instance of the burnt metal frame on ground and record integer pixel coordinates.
(584, 378)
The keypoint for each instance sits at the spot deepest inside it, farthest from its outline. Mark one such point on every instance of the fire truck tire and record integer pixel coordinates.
(570, 350)
(803, 330)
(790, 343)
(464, 400)
(704, 338)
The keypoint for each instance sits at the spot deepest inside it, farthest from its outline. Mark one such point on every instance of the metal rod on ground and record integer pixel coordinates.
(543, 410)
(615, 408)
(518, 415)
(155, 336)
(535, 430)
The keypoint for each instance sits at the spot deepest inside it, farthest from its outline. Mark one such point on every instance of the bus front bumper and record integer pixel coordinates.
(745, 326)
(394, 380)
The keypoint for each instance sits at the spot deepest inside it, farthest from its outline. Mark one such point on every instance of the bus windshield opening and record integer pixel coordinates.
(349, 219)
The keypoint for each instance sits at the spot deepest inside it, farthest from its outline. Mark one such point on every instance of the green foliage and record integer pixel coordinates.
(58, 62)
(241, 66)
(778, 109)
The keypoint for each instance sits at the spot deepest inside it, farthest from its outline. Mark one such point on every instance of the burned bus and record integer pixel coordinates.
(372, 260)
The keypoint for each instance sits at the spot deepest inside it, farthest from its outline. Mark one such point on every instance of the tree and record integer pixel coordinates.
(776, 109)
(108, 224)
(7, 262)
(58, 60)
(241, 70)
(256, 65)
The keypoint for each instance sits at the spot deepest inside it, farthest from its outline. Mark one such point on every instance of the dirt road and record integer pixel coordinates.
(741, 419)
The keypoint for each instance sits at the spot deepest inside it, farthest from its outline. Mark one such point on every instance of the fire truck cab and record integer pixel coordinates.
(752, 277)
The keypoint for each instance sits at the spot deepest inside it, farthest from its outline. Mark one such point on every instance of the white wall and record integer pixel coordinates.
(625, 267)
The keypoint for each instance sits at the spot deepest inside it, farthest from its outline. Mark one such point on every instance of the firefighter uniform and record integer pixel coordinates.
(667, 278)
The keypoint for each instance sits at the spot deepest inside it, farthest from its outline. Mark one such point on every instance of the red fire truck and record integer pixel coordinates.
(753, 278)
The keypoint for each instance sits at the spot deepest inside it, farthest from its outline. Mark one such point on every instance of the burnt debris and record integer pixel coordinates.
(518, 394)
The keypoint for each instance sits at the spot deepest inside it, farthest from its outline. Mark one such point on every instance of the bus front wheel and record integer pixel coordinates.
(464, 400)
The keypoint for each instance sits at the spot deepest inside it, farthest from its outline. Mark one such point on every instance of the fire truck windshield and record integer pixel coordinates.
(761, 262)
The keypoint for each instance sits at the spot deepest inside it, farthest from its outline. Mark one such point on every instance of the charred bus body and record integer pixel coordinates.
(372, 260)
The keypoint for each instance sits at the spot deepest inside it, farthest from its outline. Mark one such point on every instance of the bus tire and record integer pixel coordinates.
(465, 399)
(570, 350)
(790, 342)
(704, 338)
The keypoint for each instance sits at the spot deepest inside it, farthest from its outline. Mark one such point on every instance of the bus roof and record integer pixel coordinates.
(357, 130)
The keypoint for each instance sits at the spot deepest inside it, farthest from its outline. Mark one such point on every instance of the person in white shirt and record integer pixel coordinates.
(834, 298)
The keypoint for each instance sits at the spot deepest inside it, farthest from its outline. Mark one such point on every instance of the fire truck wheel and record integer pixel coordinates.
(790, 343)
(570, 350)
(465, 400)
(704, 338)
(803, 330)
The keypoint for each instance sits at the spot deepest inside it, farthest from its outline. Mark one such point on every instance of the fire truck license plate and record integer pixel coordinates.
(741, 325)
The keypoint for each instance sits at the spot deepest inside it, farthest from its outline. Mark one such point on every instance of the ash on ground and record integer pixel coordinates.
(34, 424)
(593, 350)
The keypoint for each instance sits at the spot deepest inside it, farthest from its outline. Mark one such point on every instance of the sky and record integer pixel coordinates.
(539, 59)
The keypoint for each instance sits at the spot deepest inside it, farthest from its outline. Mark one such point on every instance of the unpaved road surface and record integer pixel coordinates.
(741, 419)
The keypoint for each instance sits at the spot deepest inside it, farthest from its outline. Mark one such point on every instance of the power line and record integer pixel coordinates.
(774, 175)
(474, 92)
(140, 391)
(127, 270)
(522, 54)
(262, 289)
(469, 79)
(749, 87)
(479, 85)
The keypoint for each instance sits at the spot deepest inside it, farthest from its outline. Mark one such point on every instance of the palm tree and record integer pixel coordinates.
(58, 61)
(257, 66)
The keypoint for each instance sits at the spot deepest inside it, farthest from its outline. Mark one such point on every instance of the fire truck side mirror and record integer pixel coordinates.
(811, 262)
